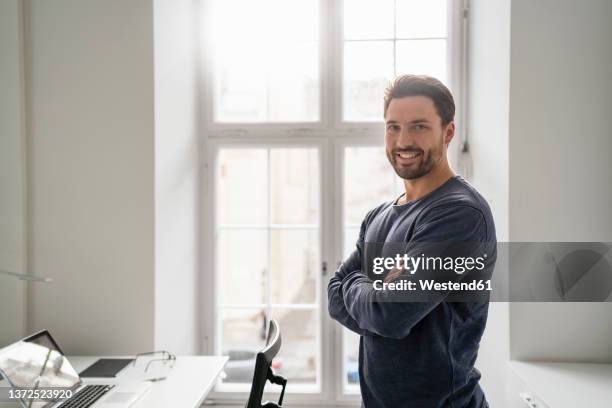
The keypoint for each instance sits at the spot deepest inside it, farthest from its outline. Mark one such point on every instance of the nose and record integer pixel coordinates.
(404, 140)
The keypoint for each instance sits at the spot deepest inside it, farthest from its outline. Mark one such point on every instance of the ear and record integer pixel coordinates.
(449, 133)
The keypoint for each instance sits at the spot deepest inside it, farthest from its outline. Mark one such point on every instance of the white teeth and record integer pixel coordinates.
(408, 155)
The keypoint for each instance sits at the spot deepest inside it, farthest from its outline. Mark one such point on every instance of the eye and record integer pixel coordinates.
(393, 128)
(419, 126)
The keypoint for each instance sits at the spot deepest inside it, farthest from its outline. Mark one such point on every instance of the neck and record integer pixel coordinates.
(424, 185)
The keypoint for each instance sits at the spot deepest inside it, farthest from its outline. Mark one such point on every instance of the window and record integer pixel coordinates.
(266, 53)
(399, 36)
(363, 188)
(267, 258)
(295, 158)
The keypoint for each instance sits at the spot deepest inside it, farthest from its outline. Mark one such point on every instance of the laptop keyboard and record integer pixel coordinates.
(86, 396)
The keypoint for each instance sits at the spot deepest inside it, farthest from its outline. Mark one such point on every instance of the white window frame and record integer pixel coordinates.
(272, 128)
(340, 145)
(307, 395)
(331, 135)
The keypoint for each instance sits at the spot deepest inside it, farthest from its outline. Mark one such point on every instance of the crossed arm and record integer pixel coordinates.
(352, 299)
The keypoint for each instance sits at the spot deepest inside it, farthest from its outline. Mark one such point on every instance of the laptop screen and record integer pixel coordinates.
(37, 362)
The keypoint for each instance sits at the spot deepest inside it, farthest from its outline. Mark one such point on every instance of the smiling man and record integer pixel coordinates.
(417, 354)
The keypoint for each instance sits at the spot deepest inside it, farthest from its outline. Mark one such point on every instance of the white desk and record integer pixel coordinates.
(187, 385)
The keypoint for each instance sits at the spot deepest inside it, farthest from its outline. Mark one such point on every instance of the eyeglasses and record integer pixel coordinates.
(164, 358)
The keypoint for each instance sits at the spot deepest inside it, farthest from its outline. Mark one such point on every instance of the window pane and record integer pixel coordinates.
(422, 57)
(383, 39)
(293, 90)
(368, 68)
(350, 239)
(261, 75)
(240, 84)
(242, 266)
(268, 256)
(294, 186)
(297, 358)
(420, 18)
(368, 20)
(242, 186)
(294, 265)
(351, 360)
(369, 180)
(243, 334)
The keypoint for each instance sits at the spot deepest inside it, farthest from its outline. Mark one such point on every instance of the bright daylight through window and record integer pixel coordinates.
(268, 258)
(294, 97)
(266, 53)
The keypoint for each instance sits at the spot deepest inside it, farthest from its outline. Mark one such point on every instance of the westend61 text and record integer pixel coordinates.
(430, 284)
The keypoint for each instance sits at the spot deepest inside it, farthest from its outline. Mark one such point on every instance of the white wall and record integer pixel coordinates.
(539, 98)
(560, 167)
(114, 173)
(488, 114)
(488, 96)
(12, 174)
(90, 114)
(176, 178)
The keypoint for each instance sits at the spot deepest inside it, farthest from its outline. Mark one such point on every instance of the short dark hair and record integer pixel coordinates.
(423, 85)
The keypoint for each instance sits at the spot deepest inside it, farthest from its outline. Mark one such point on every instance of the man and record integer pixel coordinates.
(417, 354)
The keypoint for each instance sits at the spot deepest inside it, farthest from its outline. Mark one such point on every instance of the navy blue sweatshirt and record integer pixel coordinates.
(416, 354)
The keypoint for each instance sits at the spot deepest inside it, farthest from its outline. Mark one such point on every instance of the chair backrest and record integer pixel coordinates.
(263, 369)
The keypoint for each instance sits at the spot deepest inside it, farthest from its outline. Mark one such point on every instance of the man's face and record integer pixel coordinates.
(415, 139)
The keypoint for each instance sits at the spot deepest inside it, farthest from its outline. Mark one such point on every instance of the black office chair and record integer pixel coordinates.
(263, 371)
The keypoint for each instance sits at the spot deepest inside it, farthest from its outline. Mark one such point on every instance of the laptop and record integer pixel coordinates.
(37, 362)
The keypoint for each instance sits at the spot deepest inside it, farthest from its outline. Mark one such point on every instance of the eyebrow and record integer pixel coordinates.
(411, 122)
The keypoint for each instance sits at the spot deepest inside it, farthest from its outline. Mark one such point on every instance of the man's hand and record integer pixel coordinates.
(394, 273)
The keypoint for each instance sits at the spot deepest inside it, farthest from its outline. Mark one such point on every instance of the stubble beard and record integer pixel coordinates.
(426, 165)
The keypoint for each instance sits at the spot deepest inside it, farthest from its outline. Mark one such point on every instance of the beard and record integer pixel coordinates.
(427, 162)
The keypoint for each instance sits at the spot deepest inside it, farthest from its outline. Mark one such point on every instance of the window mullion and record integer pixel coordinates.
(269, 235)
(394, 38)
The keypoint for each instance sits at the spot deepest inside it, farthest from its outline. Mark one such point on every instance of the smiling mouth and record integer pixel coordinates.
(408, 155)
(411, 155)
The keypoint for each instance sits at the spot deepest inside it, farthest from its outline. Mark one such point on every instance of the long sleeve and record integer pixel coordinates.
(335, 298)
(367, 307)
